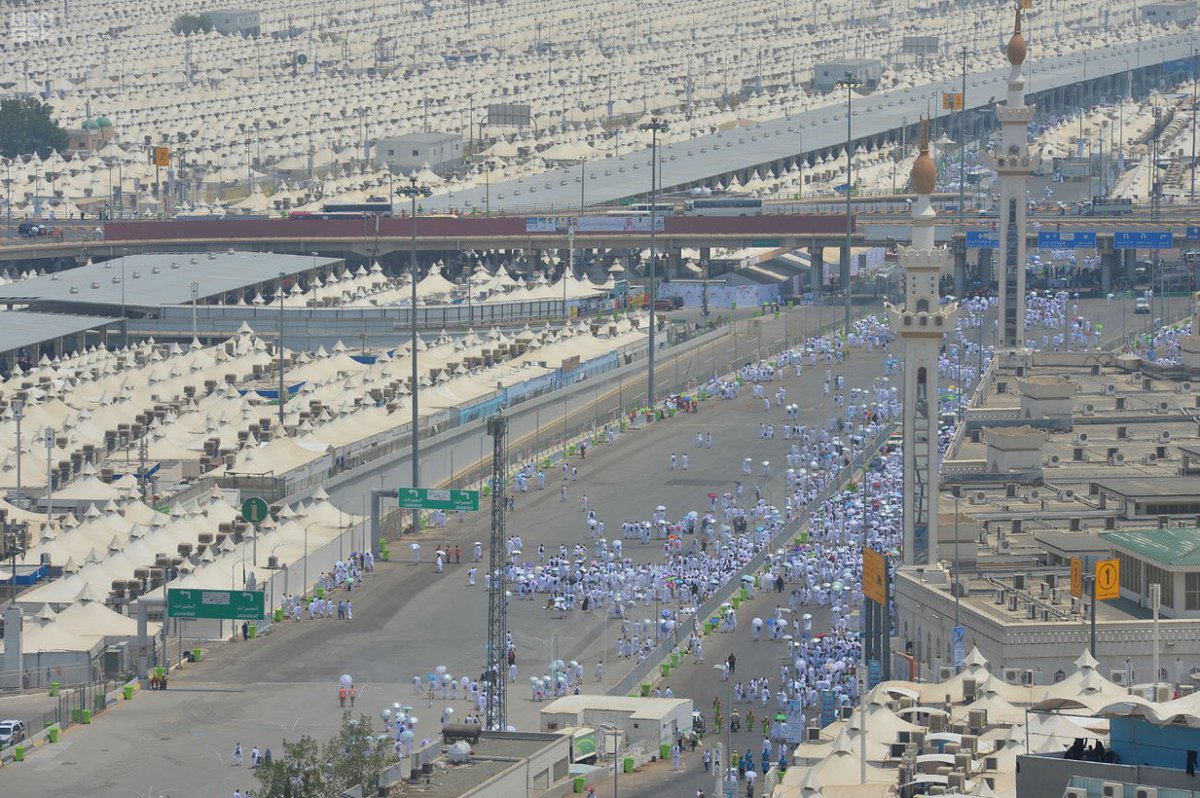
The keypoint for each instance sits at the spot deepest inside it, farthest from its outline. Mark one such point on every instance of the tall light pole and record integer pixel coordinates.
(18, 412)
(655, 125)
(850, 83)
(962, 150)
(412, 191)
(1194, 78)
(282, 389)
(124, 321)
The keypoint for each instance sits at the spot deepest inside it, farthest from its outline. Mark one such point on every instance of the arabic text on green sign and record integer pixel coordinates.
(231, 605)
(436, 499)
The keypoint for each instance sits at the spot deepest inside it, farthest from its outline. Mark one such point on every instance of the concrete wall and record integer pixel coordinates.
(1047, 777)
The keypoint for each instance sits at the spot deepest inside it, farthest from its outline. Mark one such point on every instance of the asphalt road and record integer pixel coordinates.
(408, 620)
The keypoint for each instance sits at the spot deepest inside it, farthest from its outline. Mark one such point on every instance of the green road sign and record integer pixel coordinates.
(229, 605)
(434, 499)
(301, 59)
(254, 510)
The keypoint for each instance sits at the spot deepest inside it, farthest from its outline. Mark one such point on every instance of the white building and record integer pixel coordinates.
(442, 152)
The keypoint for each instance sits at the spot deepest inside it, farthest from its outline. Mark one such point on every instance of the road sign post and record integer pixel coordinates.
(1143, 239)
(255, 511)
(983, 239)
(227, 605)
(1080, 239)
(437, 499)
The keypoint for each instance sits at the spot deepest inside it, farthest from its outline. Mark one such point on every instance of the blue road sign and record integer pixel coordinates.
(1193, 232)
(983, 239)
(1080, 239)
(1143, 239)
(958, 643)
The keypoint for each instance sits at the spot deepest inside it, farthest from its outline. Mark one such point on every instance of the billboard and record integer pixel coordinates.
(509, 114)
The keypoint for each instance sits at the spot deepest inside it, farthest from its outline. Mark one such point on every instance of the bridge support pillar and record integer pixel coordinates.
(817, 256)
(985, 266)
(705, 254)
(960, 270)
(1108, 264)
(675, 263)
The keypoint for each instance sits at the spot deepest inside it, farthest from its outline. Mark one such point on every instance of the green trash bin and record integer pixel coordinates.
(278, 615)
(101, 703)
(52, 733)
(76, 716)
(253, 631)
(665, 668)
(128, 691)
(54, 689)
(674, 659)
(85, 716)
(645, 689)
(628, 765)
(195, 655)
(735, 600)
(19, 753)
(383, 542)
(579, 782)
(320, 592)
(571, 450)
(743, 594)
(385, 555)
(707, 628)
(664, 750)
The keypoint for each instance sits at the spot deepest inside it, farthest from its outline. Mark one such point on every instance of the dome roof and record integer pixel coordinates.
(1017, 48)
(96, 122)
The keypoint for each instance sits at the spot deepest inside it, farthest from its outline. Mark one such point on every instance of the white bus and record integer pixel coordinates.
(723, 206)
(643, 209)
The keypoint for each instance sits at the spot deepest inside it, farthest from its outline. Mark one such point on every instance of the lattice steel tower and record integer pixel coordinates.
(496, 710)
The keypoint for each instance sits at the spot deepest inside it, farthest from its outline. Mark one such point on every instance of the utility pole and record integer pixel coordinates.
(412, 191)
(496, 709)
(962, 152)
(18, 411)
(654, 126)
(849, 83)
(282, 390)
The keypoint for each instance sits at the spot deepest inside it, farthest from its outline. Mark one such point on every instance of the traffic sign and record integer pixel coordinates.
(161, 156)
(1108, 579)
(227, 605)
(1193, 232)
(1076, 577)
(254, 510)
(436, 499)
(1143, 239)
(958, 644)
(1082, 239)
(983, 239)
(952, 101)
(874, 576)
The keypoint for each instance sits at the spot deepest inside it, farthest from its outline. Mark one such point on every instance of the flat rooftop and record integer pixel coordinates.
(153, 280)
(22, 329)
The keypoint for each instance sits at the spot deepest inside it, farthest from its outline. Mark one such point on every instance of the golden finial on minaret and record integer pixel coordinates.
(1017, 48)
(924, 171)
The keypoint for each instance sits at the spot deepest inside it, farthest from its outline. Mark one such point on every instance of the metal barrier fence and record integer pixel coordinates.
(714, 602)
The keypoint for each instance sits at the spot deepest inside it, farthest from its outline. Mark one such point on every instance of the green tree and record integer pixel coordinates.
(357, 755)
(190, 23)
(27, 127)
(295, 774)
(305, 770)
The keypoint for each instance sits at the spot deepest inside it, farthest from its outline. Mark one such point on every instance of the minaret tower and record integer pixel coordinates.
(1013, 163)
(922, 322)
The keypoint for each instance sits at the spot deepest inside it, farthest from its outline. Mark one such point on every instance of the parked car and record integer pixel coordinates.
(664, 304)
(1141, 305)
(11, 732)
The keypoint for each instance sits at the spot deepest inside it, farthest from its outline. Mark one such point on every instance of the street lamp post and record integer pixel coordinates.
(18, 411)
(124, 321)
(655, 125)
(412, 191)
(849, 83)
